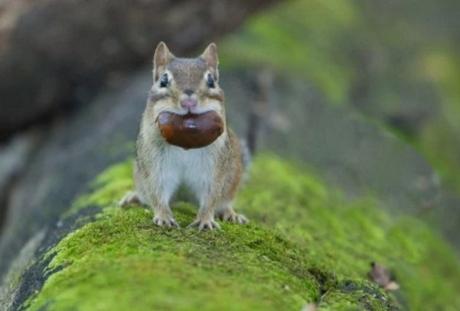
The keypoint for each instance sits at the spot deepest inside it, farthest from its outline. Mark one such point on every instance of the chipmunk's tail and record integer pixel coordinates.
(245, 158)
(259, 110)
(245, 154)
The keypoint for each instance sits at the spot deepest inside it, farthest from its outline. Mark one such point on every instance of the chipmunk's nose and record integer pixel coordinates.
(188, 103)
(188, 92)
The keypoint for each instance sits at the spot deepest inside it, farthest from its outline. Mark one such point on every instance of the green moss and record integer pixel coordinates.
(345, 237)
(304, 244)
(109, 185)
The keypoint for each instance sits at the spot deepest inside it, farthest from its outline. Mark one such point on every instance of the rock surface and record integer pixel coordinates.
(13, 162)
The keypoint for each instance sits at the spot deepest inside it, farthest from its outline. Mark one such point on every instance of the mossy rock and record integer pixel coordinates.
(305, 244)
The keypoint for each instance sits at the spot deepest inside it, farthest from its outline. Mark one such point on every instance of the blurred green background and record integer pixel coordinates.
(396, 62)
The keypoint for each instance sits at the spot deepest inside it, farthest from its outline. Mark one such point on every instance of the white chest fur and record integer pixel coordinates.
(194, 167)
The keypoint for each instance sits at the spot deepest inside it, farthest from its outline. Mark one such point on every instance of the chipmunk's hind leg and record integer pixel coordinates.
(131, 197)
(227, 213)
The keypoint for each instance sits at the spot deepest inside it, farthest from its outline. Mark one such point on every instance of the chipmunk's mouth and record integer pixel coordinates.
(190, 121)
(189, 112)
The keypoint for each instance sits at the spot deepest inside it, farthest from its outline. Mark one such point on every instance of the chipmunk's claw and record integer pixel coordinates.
(168, 222)
(233, 217)
(205, 224)
(237, 218)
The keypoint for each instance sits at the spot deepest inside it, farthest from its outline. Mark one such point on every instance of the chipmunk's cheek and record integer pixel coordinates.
(158, 108)
(213, 105)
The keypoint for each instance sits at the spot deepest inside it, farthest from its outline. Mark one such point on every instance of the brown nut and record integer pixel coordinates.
(190, 130)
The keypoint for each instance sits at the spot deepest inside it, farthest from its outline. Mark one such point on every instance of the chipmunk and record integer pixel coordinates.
(213, 173)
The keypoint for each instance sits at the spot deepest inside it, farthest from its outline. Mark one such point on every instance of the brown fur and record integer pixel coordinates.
(214, 172)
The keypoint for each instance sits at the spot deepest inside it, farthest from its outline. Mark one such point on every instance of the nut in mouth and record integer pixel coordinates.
(190, 130)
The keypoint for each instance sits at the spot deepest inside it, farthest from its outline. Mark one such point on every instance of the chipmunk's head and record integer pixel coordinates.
(186, 85)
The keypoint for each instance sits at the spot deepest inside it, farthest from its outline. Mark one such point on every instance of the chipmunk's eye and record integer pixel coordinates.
(164, 80)
(210, 81)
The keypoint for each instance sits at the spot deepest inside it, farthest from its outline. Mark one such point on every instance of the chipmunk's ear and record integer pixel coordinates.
(161, 58)
(211, 57)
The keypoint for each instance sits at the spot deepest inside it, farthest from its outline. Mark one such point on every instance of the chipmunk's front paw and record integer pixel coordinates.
(165, 221)
(205, 224)
(130, 197)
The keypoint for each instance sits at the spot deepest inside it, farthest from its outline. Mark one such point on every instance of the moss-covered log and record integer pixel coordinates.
(305, 244)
